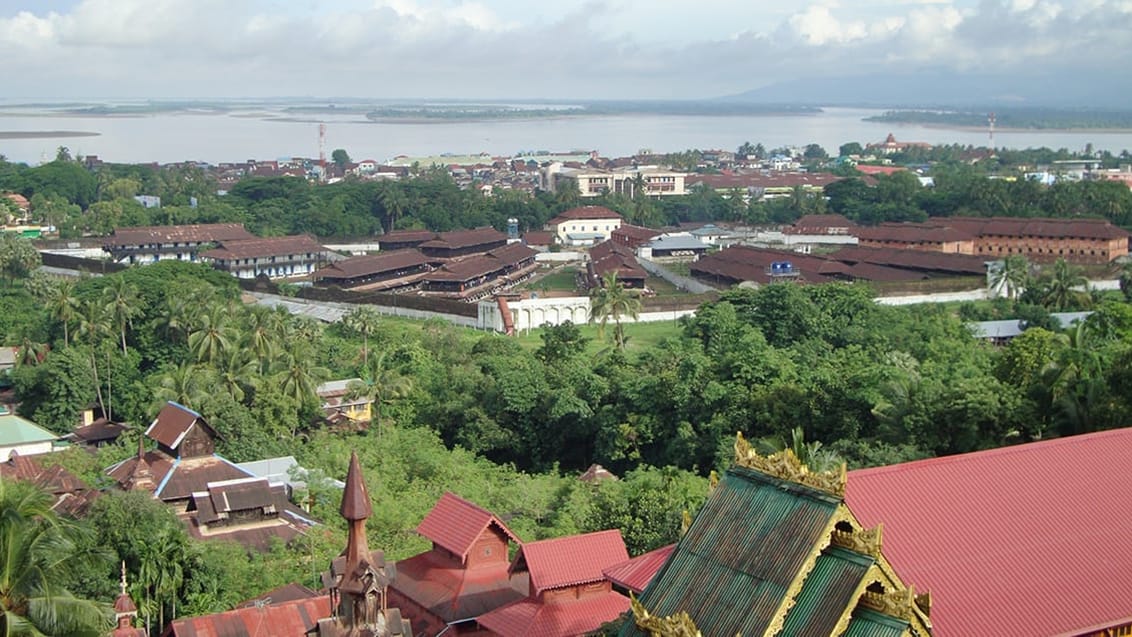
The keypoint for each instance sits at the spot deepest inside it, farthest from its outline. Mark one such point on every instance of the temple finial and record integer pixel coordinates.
(355, 497)
(123, 582)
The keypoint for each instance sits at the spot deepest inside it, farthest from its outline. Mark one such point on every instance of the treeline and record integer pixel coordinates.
(1032, 118)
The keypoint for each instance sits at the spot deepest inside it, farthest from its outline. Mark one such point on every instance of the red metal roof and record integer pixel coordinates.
(290, 619)
(454, 593)
(584, 212)
(454, 524)
(636, 573)
(529, 618)
(1024, 540)
(571, 560)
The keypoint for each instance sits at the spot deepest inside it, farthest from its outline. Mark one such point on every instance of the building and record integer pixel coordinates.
(632, 236)
(356, 602)
(915, 236)
(890, 146)
(462, 243)
(629, 181)
(273, 257)
(213, 497)
(759, 186)
(610, 258)
(584, 226)
(22, 436)
(822, 225)
(677, 246)
(125, 613)
(396, 271)
(96, 430)
(775, 551)
(338, 406)
(149, 244)
(1042, 240)
(464, 575)
(403, 239)
(567, 593)
(479, 276)
(1022, 540)
(72, 495)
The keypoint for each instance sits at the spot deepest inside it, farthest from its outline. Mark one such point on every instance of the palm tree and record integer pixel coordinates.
(122, 299)
(612, 301)
(40, 556)
(62, 305)
(392, 198)
(1011, 277)
(31, 352)
(364, 322)
(213, 335)
(235, 371)
(186, 384)
(1066, 287)
(92, 326)
(297, 378)
(381, 385)
(810, 454)
(1126, 280)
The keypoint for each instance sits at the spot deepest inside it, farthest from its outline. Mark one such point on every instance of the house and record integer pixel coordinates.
(1022, 540)
(821, 225)
(356, 602)
(775, 551)
(72, 496)
(627, 180)
(632, 236)
(1003, 331)
(404, 239)
(96, 430)
(396, 271)
(916, 236)
(337, 404)
(676, 246)
(185, 473)
(149, 244)
(22, 436)
(584, 226)
(567, 594)
(463, 576)
(273, 257)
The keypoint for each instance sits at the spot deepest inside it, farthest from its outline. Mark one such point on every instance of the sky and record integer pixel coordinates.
(496, 49)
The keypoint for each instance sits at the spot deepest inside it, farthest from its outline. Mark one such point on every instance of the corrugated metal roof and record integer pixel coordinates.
(732, 569)
(529, 618)
(455, 523)
(191, 233)
(18, 431)
(868, 623)
(1024, 540)
(636, 573)
(571, 560)
(827, 593)
(453, 593)
(173, 422)
(290, 619)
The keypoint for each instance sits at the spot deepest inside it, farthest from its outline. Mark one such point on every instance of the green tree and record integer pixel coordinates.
(18, 257)
(41, 558)
(850, 148)
(62, 304)
(1065, 287)
(381, 384)
(93, 326)
(213, 335)
(612, 300)
(122, 305)
(1011, 276)
(340, 157)
(186, 384)
(364, 322)
(560, 342)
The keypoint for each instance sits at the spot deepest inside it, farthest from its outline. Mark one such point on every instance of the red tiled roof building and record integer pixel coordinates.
(568, 593)
(464, 575)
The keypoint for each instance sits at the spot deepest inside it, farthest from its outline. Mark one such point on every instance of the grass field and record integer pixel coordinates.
(560, 280)
(641, 336)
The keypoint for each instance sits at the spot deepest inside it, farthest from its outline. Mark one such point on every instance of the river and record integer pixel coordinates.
(237, 136)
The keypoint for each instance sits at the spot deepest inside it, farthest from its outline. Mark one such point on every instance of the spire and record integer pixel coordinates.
(140, 477)
(355, 497)
(124, 608)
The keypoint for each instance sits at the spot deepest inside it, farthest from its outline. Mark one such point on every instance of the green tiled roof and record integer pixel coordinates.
(827, 592)
(18, 431)
(867, 623)
(732, 569)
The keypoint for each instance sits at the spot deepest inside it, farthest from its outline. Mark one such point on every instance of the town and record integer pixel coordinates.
(758, 392)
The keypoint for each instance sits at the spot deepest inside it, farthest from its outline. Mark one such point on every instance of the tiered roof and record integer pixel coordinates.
(774, 550)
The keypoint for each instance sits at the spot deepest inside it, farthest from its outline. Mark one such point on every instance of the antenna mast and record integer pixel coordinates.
(990, 128)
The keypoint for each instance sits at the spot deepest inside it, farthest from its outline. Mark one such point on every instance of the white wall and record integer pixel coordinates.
(25, 449)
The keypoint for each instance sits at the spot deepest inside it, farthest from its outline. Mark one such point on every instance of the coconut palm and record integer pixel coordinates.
(381, 384)
(62, 305)
(613, 301)
(93, 325)
(392, 198)
(40, 556)
(364, 322)
(236, 370)
(213, 335)
(1126, 280)
(297, 378)
(1011, 277)
(186, 384)
(1066, 287)
(122, 300)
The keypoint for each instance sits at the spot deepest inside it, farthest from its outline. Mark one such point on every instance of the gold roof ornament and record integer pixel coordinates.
(866, 541)
(900, 603)
(785, 465)
(678, 625)
(685, 522)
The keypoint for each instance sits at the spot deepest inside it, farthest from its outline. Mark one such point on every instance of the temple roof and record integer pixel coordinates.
(455, 523)
(355, 497)
(571, 560)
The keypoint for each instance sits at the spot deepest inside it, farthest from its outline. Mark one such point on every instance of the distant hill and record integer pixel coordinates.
(1084, 89)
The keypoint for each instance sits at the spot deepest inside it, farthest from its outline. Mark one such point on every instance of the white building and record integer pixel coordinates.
(23, 436)
(274, 257)
(584, 226)
(149, 244)
(656, 182)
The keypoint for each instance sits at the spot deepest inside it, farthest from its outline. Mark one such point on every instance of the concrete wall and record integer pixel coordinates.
(559, 257)
(531, 314)
(687, 284)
